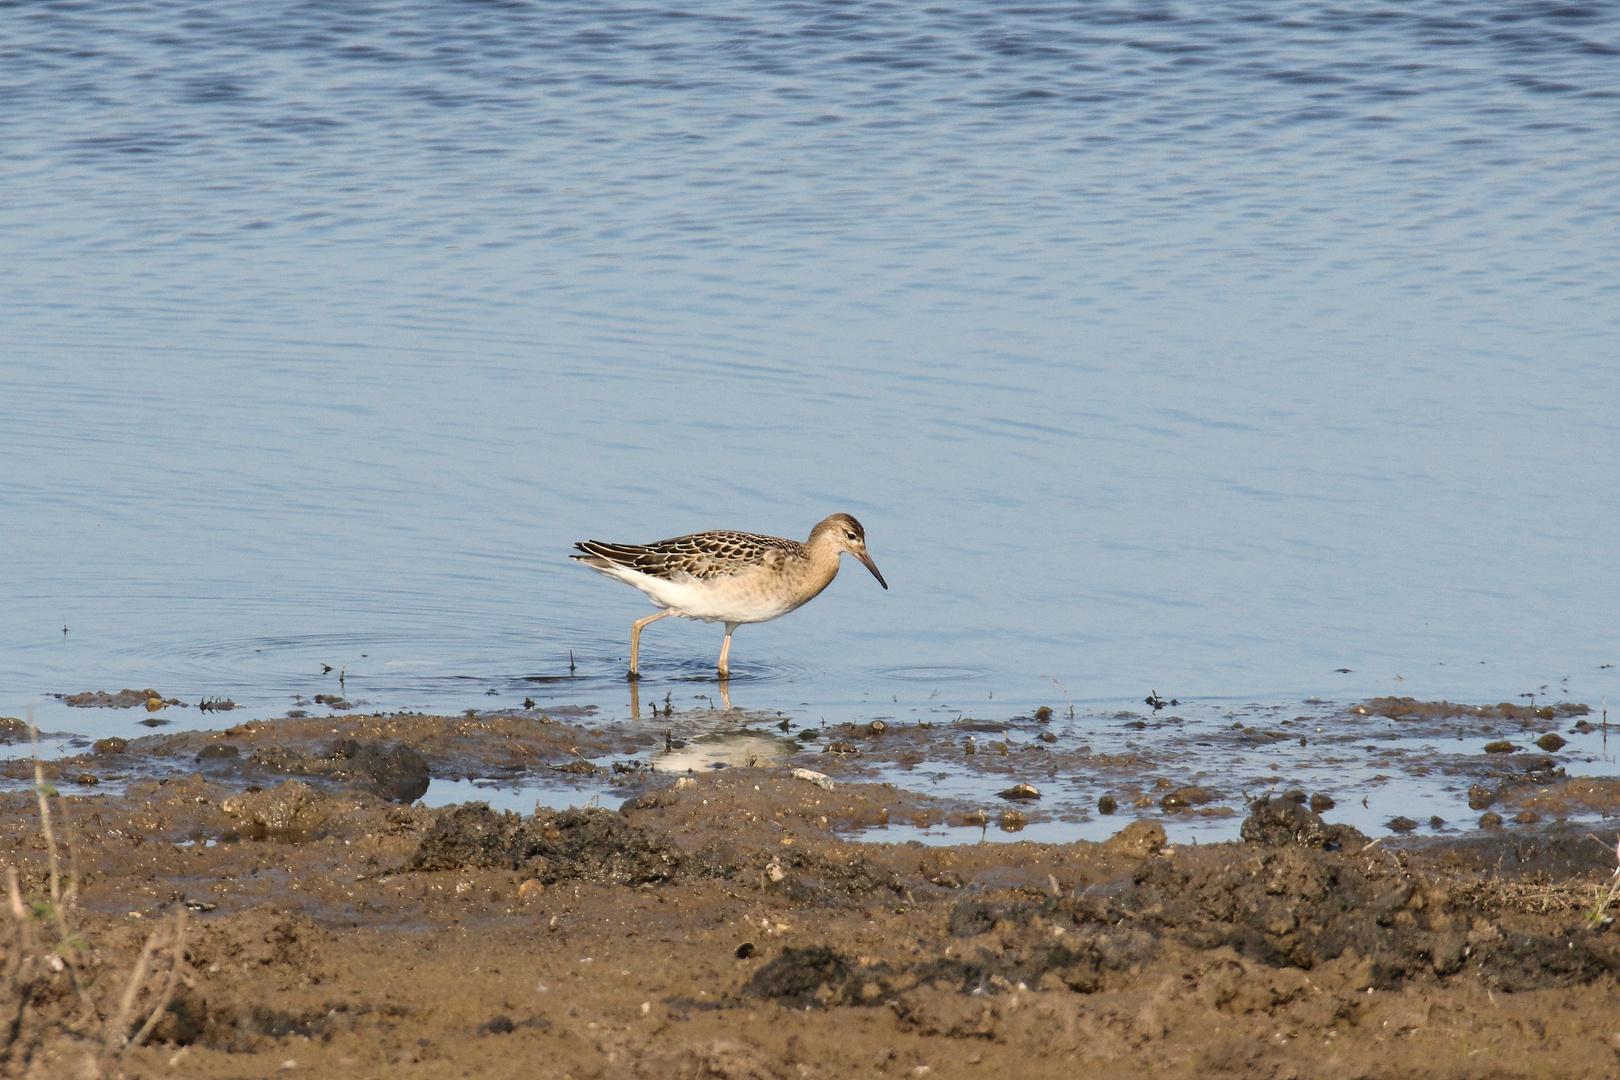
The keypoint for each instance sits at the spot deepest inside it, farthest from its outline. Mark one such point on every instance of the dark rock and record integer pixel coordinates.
(806, 978)
(1551, 742)
(1321, 803)
(218, 750)
(1107, 805)
(398, 772)
(1490, 820)
(1138, 840)
(114, 745)
(1402, 824)
(1188, 796)
(124, 699)
(652, 800)
(498, 1025)
(1480, 797)
(1279, 822)
(1500, 746)
(573, 845)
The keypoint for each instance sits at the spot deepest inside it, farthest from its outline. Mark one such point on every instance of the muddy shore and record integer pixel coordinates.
(731, 923)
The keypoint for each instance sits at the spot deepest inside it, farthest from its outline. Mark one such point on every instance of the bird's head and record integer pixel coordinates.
(846, 534)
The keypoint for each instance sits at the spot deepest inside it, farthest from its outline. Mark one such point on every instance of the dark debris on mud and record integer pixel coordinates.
(575, 845)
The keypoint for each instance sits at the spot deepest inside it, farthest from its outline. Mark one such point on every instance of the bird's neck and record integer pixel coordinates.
(820, 562)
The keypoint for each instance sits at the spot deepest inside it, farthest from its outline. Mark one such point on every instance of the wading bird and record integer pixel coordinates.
(729, 577)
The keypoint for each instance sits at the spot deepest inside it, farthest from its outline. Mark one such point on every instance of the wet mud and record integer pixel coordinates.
(726, 923)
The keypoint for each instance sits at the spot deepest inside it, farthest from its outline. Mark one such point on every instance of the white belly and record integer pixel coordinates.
(745, 598)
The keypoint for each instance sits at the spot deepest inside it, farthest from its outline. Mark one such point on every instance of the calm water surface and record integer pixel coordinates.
(1205, 347)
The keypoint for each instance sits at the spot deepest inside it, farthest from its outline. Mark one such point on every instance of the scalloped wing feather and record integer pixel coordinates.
(704, 556)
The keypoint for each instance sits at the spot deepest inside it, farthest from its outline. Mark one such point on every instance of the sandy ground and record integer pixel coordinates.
(725, 925)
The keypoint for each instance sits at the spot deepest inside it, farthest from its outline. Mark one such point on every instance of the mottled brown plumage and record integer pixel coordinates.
(729, 577)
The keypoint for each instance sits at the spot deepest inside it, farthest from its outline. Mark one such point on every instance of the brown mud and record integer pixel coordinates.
(725, 924)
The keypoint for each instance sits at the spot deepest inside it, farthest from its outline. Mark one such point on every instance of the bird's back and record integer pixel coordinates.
(703, 556)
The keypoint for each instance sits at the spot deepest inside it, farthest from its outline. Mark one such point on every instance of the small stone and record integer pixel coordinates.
(1500, 746)
(745, 950)
(1107, 805)
(1321, 804)
(1437, 822)
(1527, 817)
(1402, 824)
(1013, 820)
(530, 888)
(839, 746)
(686, 782)
(113, 745)
(1490, 820)
(1021, 792)
(1551, 742)
(877, 727)
(1184, 797)
(810, 776)
(1138, 840)
(1480, 797)
(1043, 714)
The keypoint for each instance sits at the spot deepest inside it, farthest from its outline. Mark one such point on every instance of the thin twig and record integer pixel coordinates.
(115, 1039)
(18, 910)
(66, 949)
(45, 818)
(168, 987)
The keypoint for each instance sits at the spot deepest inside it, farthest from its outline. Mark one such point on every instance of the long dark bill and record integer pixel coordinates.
(872, 566)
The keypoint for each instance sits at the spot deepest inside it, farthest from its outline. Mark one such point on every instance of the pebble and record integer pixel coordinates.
(821, 780)
(1021, 791)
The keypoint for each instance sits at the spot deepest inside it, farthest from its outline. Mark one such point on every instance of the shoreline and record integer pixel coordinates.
(750, 922)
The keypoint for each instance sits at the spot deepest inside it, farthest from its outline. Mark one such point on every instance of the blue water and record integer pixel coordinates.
(1207, 348)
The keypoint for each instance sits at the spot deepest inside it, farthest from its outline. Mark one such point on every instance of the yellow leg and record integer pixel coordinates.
(635, 639)
(725, 650)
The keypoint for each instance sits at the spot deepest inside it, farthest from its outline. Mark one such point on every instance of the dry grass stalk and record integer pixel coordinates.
(30, 963)
(169, 986)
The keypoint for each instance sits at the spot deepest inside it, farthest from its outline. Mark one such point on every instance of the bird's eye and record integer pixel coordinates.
(850, 535)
